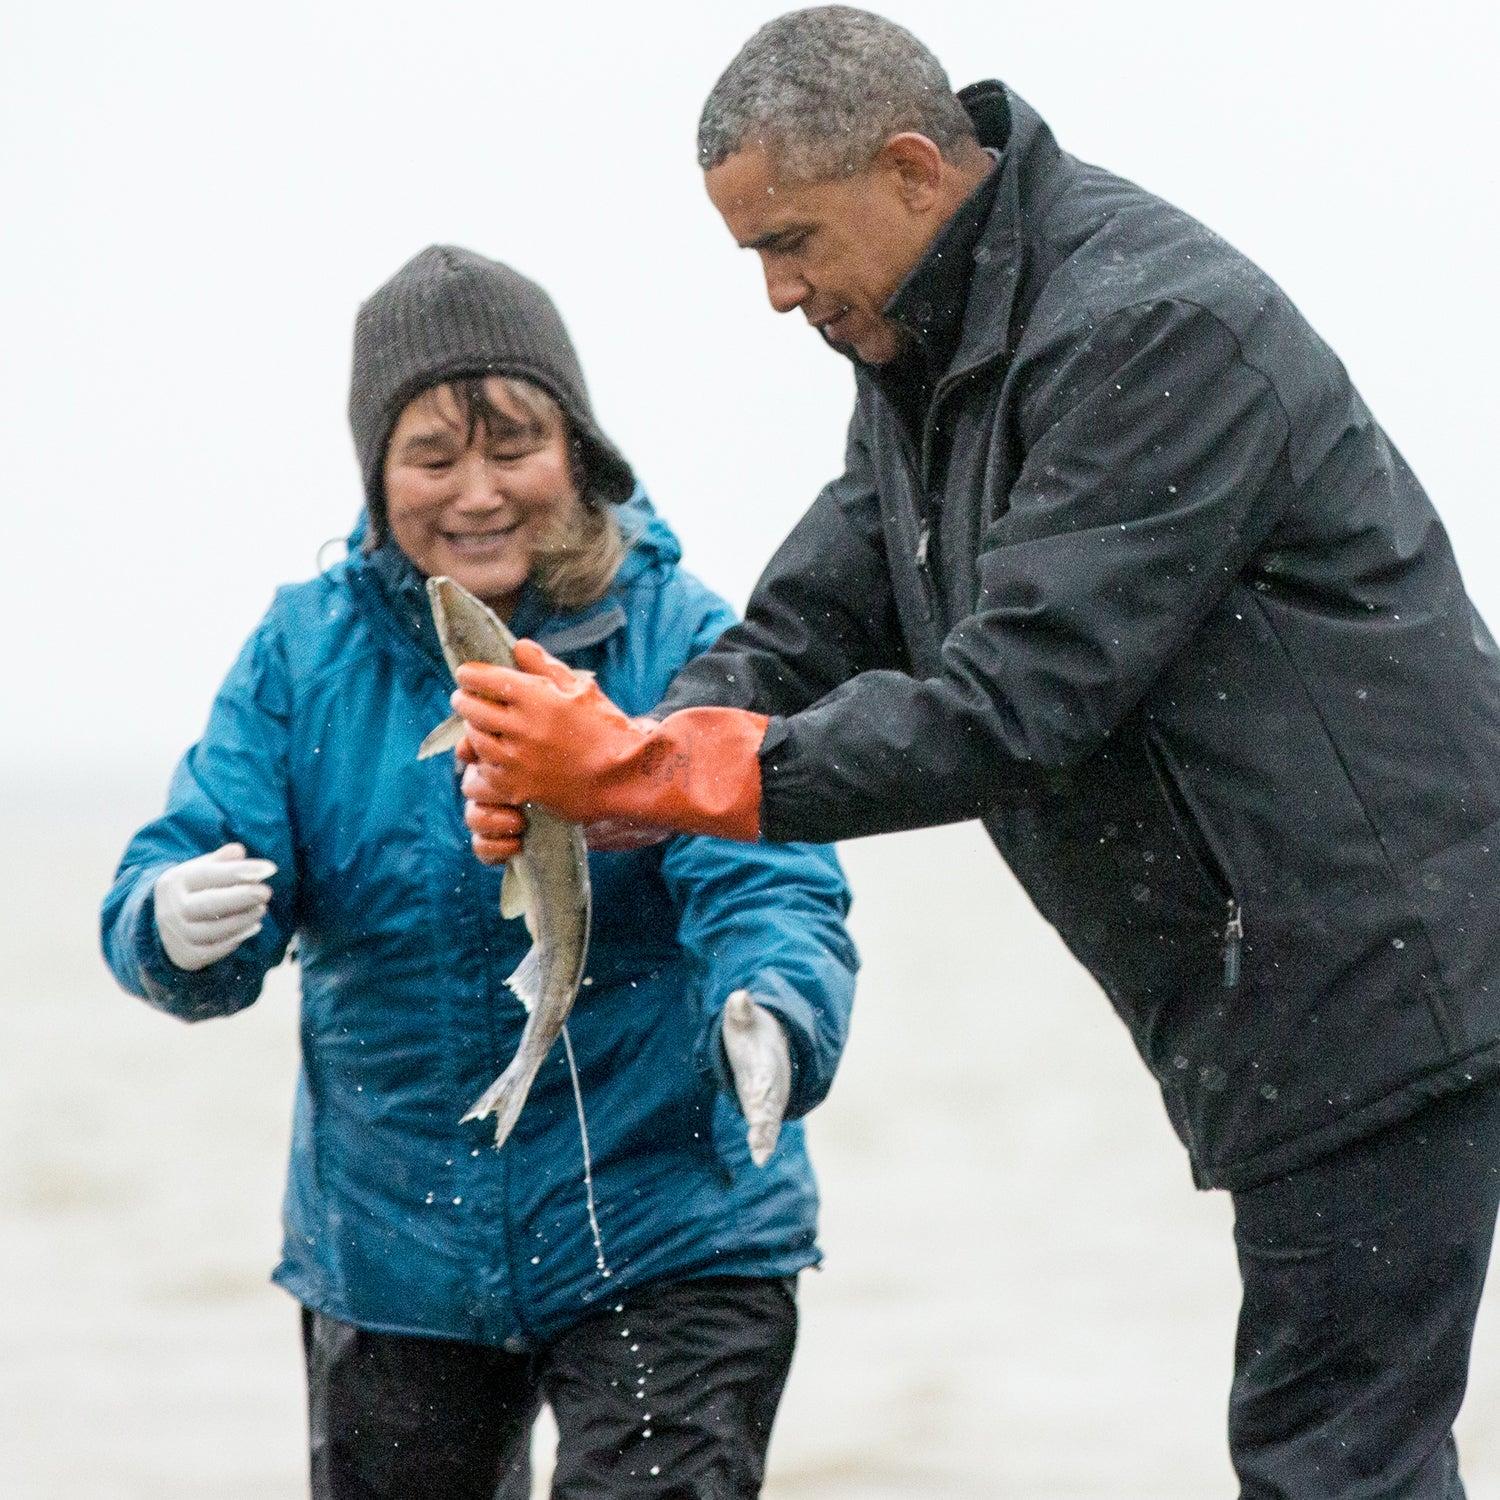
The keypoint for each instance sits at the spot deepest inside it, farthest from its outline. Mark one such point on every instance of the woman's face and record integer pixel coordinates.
(473, 505)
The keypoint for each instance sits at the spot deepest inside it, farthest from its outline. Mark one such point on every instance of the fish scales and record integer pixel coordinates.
(547, 883)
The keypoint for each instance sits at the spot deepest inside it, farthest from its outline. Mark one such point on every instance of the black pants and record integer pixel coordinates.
(669, 1395)
(1362, 1278)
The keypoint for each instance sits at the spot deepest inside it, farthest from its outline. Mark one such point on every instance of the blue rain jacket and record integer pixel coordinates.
(397, 1217)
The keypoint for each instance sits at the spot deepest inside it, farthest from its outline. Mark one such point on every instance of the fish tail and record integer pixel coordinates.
(504, 1099)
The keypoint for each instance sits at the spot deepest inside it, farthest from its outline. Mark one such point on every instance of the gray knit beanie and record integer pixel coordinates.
(449, 313)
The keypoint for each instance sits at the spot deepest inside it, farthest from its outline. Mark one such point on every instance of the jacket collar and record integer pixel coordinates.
(958, 300)
(391, 576)
(1027, 166)
(930, 303)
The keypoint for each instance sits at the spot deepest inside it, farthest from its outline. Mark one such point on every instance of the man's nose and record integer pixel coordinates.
(786, 290)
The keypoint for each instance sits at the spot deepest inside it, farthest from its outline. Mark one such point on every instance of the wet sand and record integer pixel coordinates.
(1023, 1296)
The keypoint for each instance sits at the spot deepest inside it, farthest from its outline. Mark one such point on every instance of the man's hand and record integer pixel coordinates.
(207, 907)
(495, 826)
(761, 1063)
(547, 734)
(543, 733)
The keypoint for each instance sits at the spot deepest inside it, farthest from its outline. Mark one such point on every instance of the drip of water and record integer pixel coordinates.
(588, 1164)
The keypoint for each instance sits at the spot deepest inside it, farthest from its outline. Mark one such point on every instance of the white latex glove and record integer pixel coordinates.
(762, 1066)
(207, 907)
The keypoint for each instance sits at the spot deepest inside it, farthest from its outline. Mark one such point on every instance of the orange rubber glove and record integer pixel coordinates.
(496, 827)
(547, 734)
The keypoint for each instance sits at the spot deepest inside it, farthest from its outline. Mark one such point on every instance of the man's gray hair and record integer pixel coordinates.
(822, 90)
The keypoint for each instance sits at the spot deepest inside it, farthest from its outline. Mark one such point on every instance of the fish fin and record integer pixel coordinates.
(515, 891)
(445, 737)
(526, 983)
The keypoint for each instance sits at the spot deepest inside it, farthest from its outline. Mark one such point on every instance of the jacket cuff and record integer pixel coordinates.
(779, 783)
(216, 990)
(798, 1021)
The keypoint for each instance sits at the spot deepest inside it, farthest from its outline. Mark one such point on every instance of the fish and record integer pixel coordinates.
(547, 883)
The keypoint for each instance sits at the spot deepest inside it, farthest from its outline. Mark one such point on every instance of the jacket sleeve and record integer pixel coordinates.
(768, 919)
(231, 786)
(1148, 446)
(764, 918)
(822, 611)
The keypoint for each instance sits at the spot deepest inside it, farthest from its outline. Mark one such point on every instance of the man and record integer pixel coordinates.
(1121, 564)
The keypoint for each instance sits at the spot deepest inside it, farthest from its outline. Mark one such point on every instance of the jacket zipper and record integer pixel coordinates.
(1234, 938)
(924, 562)
(921, 554)
(1209, 855)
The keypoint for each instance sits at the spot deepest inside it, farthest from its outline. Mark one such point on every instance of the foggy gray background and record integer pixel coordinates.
(196, 199)
(1023, 1295)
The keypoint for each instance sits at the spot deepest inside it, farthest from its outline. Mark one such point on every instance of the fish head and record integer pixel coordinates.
(468, 629)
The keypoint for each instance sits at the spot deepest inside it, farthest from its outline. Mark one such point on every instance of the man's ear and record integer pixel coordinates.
(916, 166)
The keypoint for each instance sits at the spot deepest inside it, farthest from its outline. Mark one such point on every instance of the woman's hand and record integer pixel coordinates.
(207, 907)
(761, 1063)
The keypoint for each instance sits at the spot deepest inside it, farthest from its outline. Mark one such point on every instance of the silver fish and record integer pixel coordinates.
(547, 883)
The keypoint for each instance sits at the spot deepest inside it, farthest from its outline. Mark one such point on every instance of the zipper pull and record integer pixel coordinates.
(922, 545)
(1234, 937)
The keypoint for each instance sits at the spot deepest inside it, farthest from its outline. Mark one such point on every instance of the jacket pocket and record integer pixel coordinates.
(1204, 849)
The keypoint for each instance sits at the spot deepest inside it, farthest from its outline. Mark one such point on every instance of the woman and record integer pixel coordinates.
(445, 1284)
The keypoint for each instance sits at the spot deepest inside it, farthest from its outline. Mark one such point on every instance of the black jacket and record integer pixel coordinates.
(1156, 598)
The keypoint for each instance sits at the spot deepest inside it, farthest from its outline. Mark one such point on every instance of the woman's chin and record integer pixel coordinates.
(497, 584)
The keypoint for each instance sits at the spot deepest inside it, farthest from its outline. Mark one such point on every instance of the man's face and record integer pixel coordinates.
(835, 249)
